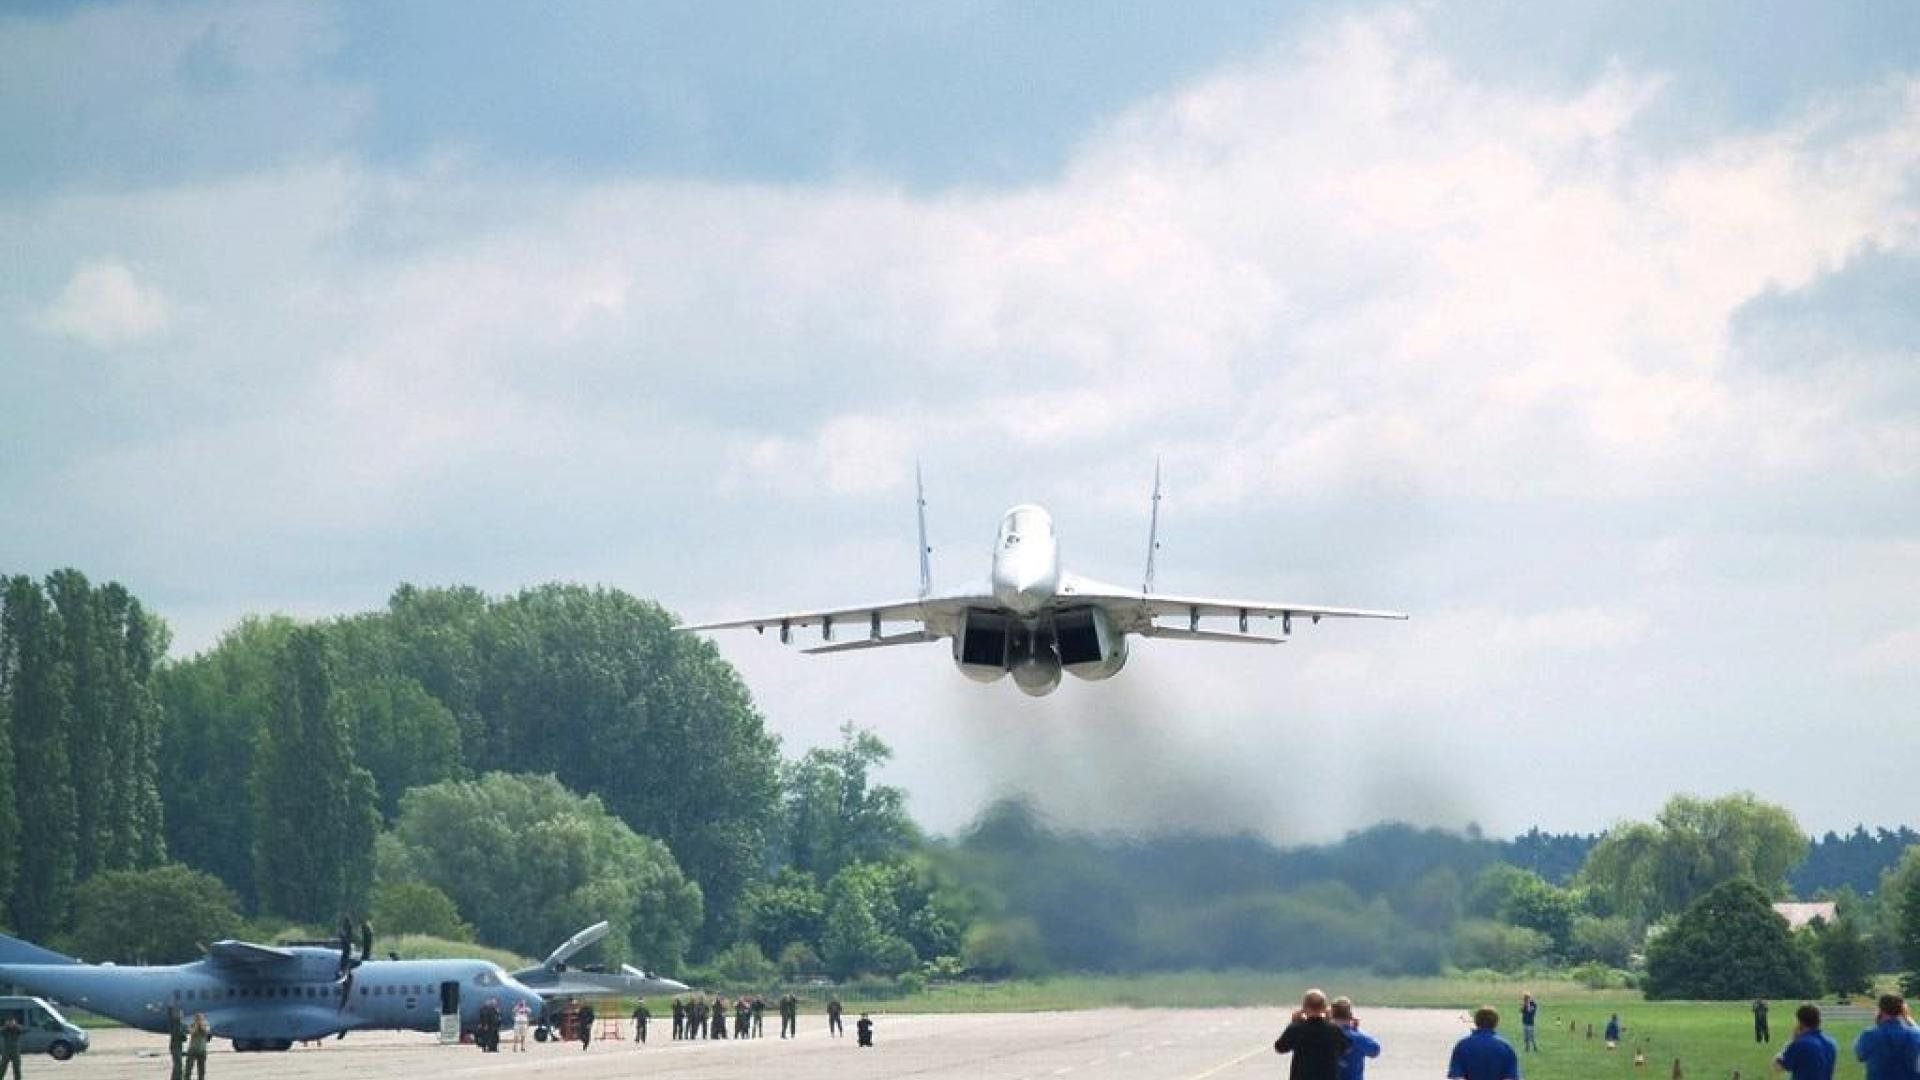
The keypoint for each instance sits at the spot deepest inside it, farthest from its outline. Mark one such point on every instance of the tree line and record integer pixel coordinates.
(512, 768)
(79, 783)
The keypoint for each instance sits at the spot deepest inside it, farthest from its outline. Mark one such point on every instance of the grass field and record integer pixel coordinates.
(1710, 1040)
(1204, 989)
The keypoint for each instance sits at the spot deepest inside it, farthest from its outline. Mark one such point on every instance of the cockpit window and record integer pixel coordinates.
(1028, 521)
(485, 978)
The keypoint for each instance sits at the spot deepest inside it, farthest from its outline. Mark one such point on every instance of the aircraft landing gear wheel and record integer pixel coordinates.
(61, 1050)
(540, 1034)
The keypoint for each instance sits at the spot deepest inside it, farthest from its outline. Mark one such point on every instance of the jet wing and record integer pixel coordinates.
(229, 953)
(1135, 612)
(579, 984)
(938, 616)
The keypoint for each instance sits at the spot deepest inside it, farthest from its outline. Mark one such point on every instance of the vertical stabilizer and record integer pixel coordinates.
(920, 507)
(1153, 528)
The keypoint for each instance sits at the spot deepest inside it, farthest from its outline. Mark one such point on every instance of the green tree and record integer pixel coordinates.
(12, 629)
(165, 915)
(415, 907)
(862, 921)
(743, 964)
(1909, 903)
(1729, 945)
(1646, 872)
(315, 809)
(136, 642)
(595, 687)
(1846, 961)
(91, 752)
(213, 711)
(790, 909)
(1884, 909)
(1536, 905)
(530, 863)
(1485, 943)
(1609, 940)
(1494, 888)
(43, 780)
(799, 959)
(401, 734)
(835, 814)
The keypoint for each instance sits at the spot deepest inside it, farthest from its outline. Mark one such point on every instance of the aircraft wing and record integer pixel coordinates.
(938, 616)
(229, 953)
(1136, 611)
(628, 982)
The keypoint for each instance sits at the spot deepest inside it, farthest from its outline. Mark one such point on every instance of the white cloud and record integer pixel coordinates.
(1404, 339)
(105, 305)
(1895, 653)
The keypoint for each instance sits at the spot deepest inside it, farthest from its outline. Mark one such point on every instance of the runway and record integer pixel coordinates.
(1124, 1044)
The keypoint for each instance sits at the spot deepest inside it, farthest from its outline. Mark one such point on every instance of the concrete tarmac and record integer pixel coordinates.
(1124, 1044)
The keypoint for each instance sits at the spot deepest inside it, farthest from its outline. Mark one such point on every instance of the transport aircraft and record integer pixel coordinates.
(267, 997)
(1032, 619)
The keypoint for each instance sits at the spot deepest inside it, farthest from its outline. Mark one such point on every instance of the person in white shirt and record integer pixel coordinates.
(522, 1019)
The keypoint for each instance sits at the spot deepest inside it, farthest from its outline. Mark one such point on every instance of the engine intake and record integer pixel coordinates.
(1088, 645)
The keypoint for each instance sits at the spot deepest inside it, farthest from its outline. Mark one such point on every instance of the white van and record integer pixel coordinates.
(43, 1029)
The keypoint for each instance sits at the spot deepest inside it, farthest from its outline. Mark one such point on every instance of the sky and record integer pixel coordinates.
(1587, 333)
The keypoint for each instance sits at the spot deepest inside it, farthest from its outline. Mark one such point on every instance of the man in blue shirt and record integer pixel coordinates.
(1529, 1009)
(1360, 1045)
(1891, 1047)
(1484, 1055)
(1811, 1054)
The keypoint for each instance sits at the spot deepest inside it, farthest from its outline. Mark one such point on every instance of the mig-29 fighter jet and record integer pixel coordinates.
(1032, 619)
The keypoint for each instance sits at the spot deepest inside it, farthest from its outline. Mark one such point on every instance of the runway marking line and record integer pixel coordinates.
(1225, 1065)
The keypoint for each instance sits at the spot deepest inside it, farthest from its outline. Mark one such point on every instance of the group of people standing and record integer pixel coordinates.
(186, 1044)
(1325, 1040)
(486, 1032)
(703, 1019)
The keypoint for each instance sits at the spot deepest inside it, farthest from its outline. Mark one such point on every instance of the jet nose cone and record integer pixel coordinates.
(673, 986)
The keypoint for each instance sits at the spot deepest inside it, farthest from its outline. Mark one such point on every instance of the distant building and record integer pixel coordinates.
(1798, 915)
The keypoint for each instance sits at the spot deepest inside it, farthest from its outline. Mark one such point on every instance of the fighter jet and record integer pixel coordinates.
(553, 978)
(267, 997)
(1032, 619)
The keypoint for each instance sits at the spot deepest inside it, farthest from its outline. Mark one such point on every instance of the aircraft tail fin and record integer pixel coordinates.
(1153, 528)
(15, 951)
(920, 506)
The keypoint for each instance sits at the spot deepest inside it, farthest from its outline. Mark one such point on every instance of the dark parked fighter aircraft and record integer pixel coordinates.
(556, 978)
